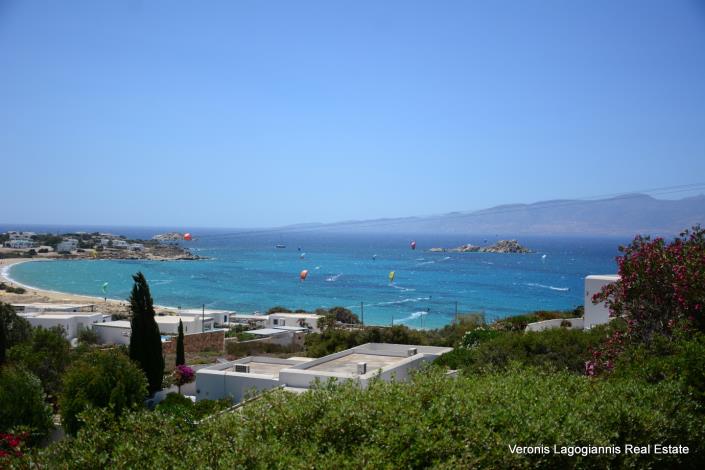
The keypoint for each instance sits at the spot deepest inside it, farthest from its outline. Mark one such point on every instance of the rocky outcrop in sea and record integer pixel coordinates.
(502, 246)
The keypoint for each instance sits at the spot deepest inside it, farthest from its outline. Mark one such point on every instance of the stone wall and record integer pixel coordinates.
(197, 342)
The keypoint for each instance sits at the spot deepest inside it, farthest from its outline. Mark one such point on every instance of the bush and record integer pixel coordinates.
(660, 286)
(101, 379)
(178, 405)
(88, 336)
(554, 349)
(22, 403)
(434, 422)
(46, 355)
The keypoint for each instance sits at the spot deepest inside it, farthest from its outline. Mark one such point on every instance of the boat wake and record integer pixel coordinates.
(333, 278)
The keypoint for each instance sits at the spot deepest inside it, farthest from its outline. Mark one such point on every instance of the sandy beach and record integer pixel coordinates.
(45, 296)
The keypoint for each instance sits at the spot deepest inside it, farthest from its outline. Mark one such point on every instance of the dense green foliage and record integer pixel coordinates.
(554, 349)
(46, 354)
(87, 336)
(17, 329)
(433, 421)
(145, 340)
(22, 403)
(100, 379)
(180, 355)
(178, 405)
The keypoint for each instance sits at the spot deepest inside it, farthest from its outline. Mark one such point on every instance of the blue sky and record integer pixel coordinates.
(244, 114)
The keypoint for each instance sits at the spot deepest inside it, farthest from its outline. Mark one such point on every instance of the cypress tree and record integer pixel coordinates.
(145, 340)
(180, 357)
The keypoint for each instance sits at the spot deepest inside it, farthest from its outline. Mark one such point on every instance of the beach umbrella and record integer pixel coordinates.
(303, 275)
(413, 244)
(391, 276)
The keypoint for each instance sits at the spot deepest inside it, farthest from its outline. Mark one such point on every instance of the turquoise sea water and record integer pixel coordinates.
(247, 273)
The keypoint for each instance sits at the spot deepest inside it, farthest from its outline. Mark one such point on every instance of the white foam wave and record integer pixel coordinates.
(333, 278)
(403, 301)
(543, 286)
(411, 317)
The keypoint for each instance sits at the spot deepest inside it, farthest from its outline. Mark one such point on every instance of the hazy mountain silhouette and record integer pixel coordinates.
(623, 215)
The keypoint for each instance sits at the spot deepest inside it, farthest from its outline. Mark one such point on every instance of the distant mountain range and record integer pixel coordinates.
(623, 215)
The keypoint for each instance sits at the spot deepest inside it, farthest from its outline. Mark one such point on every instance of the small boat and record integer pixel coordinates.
(280, 246)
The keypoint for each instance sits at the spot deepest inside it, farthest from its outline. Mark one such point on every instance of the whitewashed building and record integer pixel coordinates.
(305, 320)
(67, 245)
(71, 322)
(597, 314)
(361, 364)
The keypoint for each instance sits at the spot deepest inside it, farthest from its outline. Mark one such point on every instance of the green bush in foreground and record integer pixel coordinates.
(432, 422)
(101, 379)
(22, 403)
(555, 349)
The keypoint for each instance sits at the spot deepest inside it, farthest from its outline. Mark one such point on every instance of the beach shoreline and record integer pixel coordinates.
(38, 295)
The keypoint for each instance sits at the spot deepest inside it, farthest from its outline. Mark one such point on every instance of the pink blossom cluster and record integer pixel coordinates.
(183, 374)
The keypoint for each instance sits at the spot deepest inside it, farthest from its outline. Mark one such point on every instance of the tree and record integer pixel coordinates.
(278, 309)
(145, 340)
(102, 379)
(180, 357)
(661, 285)
(46, 355)
(344, 315)
(22, 402)
(17, 330)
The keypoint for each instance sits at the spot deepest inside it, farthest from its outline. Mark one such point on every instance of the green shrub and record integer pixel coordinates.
(554, 349)
(46, 354)
(469, 422)
(22, 402)
(100, 379)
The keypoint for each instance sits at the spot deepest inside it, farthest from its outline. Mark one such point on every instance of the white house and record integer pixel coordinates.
(169, 324)
(71, 322)
(67, 245)
(360, 365)
(597, 314)
(306, 320)
(135, 247)
(122, 244)
(113, 332)
(47, 307)
(220, 317)
(19, 243)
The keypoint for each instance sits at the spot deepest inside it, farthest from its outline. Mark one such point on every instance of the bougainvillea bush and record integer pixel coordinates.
(661, 285)
(183, 375)
(661, 292)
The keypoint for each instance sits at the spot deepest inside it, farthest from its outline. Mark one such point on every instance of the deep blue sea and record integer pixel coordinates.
(246, 273)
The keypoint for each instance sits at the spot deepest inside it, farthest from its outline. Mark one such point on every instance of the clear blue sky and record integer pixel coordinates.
(259, 113)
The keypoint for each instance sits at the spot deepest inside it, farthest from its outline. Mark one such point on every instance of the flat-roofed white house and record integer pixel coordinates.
(220, 317)
(597, 314)
(360, 365)
(113, 332)
(306, 320)
(19, 243)
(169, 324)
(46, 307)
(67, 245)
(236, 379)
(71, 322)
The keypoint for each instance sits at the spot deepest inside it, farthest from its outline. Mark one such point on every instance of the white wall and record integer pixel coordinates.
(71, 325)
(112, 335)
(596, 314)
(575, 324)
(215, 384)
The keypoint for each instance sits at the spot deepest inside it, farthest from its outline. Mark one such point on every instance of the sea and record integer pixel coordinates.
(246, 272)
